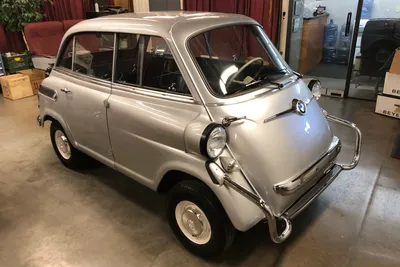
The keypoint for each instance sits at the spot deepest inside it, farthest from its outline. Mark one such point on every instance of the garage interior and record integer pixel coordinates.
(51, 216)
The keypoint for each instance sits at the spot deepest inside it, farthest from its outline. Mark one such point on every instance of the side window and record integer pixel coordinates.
(65, 59)
(127, 70)
(159, 69)
(94, 54)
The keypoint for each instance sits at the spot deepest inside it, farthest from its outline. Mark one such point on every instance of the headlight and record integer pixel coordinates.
(315, 87)
(213, 141)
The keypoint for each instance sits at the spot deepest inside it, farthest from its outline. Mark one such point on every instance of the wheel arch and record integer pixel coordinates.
(49, 115)
(48, 118)
(242, 213)
(173, 177)
(383, 42)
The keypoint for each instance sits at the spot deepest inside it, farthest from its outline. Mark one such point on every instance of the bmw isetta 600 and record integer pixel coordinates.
(202, 107)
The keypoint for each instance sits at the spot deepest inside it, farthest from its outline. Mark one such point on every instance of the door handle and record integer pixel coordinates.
(65, 90)
(348, 23)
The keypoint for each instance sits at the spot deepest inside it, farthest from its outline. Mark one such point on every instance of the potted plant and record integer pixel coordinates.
(14, 14)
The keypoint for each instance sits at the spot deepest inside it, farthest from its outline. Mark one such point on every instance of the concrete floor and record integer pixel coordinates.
(52, 216)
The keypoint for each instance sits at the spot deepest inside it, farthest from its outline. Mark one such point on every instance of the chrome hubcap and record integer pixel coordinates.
(193, 222)
(62, 144)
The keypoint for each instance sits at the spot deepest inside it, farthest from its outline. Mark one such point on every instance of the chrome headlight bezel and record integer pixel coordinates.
(213, 141)
(315, 87)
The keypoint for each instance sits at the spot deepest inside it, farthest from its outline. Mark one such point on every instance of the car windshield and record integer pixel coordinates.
(237, 59)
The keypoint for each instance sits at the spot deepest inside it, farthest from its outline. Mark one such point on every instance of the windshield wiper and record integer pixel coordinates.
(228, 120)
(264, 79)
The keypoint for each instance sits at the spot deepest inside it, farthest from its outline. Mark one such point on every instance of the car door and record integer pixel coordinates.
(149, 107)
(85, 90)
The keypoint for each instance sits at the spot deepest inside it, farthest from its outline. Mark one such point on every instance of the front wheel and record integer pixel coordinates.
(198, 219)
(65, 151)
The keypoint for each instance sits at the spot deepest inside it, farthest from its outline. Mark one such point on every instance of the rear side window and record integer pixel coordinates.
(127, 70)
(147, 62)
(94, 54)
(65, 60)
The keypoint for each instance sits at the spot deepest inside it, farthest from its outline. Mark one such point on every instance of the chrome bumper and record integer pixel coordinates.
(307, 198)
(39, 120)
(357, 150)
(314, 173)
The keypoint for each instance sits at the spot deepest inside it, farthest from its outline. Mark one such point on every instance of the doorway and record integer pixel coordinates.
(341, 44)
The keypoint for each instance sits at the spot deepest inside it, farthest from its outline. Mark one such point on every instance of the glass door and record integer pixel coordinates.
(319, 40)
(378, 37)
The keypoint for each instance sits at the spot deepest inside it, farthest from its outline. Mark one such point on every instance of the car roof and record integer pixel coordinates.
(163, 24)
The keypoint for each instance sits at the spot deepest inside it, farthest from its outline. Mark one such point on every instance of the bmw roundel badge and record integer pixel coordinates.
(301, 107)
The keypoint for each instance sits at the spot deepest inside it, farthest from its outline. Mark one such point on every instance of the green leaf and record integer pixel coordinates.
(14, 14)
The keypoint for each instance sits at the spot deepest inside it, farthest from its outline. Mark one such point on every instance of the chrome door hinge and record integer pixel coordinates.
(110, 152)
(106, 103)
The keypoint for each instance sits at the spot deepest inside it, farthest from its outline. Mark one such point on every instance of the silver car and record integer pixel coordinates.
(201, 107)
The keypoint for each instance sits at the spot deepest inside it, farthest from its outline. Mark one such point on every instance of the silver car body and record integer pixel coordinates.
(148, 135)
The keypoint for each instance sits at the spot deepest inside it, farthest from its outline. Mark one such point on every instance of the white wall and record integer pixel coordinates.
(338, 9)
(386, 9)
(141, 5)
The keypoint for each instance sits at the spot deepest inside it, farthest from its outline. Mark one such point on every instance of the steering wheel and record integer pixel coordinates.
(233, 77)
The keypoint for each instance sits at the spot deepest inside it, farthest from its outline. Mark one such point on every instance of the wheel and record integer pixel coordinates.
(65, 151)
(198, 219)
(383, 54)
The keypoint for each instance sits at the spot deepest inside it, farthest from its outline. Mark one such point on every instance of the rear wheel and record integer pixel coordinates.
(65, 151)
(198, 219)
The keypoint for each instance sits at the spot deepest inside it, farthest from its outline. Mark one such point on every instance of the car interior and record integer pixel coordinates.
(159, 70)
(216, 58)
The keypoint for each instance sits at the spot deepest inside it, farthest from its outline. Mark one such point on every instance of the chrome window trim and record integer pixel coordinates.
(141, 59)
(153, 93)
(146, 90)
(188, 50)
(114, 63)
(83, 77)
(73, 53)
(200, 71)
(62, 49)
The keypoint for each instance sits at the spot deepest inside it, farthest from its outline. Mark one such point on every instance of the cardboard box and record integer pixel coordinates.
(392, 78)
(392, 84)
(36, 77)
(16, 86)
(335, 93)
(395, 67)
(389, 106)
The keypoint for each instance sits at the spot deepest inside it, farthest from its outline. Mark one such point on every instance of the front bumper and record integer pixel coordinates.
(307, 198)
(39, 120)
(313, 174)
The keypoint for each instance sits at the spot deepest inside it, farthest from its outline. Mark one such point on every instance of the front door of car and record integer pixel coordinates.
(149, 108)
(85, 90)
